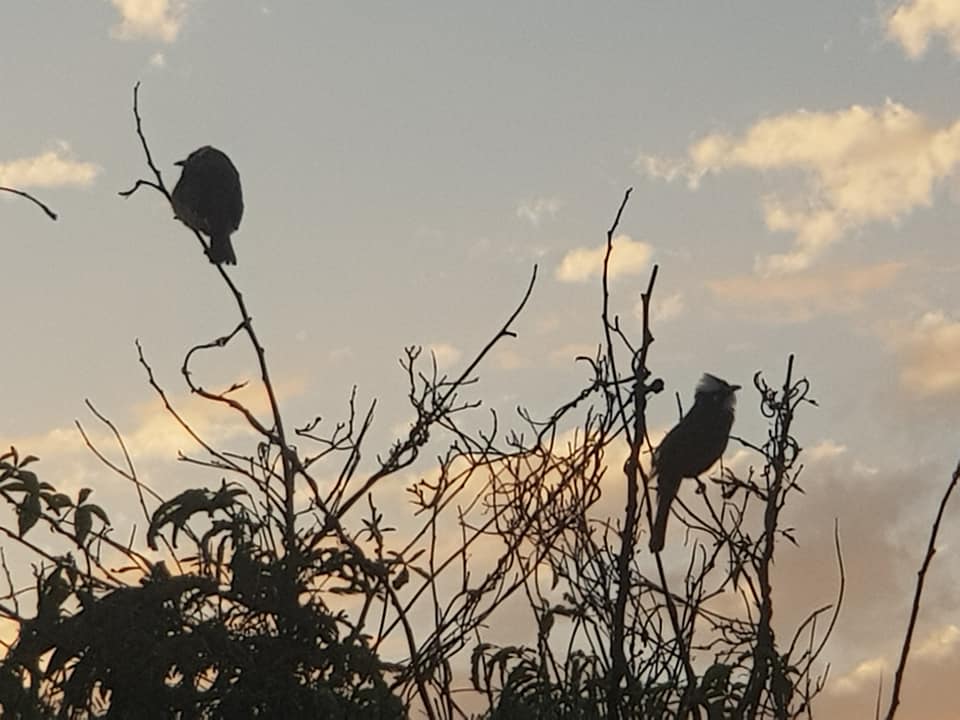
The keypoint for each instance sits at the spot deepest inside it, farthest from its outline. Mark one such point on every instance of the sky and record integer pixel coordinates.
(405, 165)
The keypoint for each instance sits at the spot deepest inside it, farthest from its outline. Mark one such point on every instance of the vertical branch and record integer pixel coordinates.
(618, 658)
(915, 610)
(279, 436)
(764, 651)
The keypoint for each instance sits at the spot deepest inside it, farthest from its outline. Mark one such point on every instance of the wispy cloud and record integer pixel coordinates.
(446, 354)
(913, 23)
(861, 165)
(150, 19)
(824, 450)
(54, 168)
(505, 358)
(536, 210)
(802, 295)
(867, 672)
(567, 355)
(629, 257)
(928, 351)
(663, 309)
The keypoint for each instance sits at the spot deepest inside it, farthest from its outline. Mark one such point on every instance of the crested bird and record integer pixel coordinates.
(692, 446)
(207, 198)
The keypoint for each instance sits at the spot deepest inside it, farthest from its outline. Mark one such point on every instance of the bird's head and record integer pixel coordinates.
(193, 156)
(715, 391)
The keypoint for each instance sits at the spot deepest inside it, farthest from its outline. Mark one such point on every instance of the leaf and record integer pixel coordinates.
(55, 591)
(29, 481)
(57, 501)
(401, 579)
(715, 679)
(83, 495)
(82, 524)
(546, 623)
(99, 512)
(28, 512)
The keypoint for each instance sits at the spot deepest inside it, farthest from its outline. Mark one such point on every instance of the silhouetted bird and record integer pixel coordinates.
(692, 446)
(207, 198)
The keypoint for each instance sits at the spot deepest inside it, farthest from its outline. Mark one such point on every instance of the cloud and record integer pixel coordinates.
(913, 23)
(54, 168)
(446, 354)
(340, 355)
(152, 433)
(867, 672)
(629, 257)
(928, 352)
(803, 295)
(505, 358)
(567, 355)
(534, 211)
(860, 165)
(662, 310)
(825, 449)
(151, 19)
(940, 643)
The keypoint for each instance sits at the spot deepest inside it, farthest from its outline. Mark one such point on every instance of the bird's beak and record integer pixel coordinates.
(180, 163)
(734, 388)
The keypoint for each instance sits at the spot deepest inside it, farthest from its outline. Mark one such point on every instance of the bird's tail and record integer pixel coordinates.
(667, 488)
(221, 250)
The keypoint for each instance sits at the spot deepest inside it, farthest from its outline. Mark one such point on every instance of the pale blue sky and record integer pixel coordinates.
(388, 153)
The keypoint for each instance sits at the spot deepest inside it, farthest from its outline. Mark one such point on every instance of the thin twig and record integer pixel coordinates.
(50, 213)
(915, 610)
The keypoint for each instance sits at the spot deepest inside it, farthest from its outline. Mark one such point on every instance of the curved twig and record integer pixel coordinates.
(50, 213)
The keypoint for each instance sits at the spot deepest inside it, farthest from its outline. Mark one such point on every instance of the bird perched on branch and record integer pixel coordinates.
(207, 198)
(692, 446)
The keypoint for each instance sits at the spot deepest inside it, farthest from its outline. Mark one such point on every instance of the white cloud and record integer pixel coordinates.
(867, 672)
(340, 355)
(803, 295)
(861, 165)
(536, 210)
(825, 450)
(151, 434)
(663, 310)
(446, 354)
(928, 352)
(629, 257)
(158, 60)
(151, 19)
(913, 23)
(567, 355)
(506, 358)
(940, 643)
(53, 168)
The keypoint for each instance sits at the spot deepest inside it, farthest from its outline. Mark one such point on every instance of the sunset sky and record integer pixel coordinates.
(796, 175)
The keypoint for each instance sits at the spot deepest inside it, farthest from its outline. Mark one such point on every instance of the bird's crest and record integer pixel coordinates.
(712, 385)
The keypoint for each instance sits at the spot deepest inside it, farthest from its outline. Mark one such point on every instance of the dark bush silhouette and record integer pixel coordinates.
(280, 589)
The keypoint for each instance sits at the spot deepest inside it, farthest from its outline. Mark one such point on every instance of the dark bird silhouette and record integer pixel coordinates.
(207, 198)
(692, 446)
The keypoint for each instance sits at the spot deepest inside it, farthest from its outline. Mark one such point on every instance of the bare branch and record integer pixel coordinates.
(50, 213)
(915, 609)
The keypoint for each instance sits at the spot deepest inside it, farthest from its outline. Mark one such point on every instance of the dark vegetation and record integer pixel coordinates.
(279, 589)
